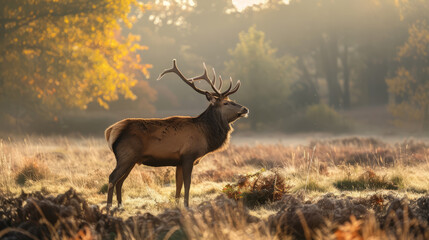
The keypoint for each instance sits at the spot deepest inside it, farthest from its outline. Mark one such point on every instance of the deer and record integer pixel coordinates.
(177, 141)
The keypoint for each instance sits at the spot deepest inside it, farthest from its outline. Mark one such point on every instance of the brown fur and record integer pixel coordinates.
(112, 132)
(217, 131)
(161, 142)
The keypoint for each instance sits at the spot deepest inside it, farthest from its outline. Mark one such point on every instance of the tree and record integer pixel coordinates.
(66, 54)
(193, 32)
(410, 85)
(347, 44)
(266, 77)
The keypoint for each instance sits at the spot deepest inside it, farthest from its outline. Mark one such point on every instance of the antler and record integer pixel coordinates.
(235, 89)
(204, 76)
(190, 82)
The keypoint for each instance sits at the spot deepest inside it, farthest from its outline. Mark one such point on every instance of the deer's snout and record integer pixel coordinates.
(244, 112)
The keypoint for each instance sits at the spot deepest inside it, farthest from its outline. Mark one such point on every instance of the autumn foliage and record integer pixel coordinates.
(410, 85)
(66, 54)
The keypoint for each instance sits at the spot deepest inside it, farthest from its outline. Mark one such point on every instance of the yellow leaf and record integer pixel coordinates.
(102, 103)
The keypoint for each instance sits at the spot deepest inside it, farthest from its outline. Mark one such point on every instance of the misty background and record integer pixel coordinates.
(357, 66)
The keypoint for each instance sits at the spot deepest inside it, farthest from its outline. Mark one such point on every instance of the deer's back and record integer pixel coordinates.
(158, 142)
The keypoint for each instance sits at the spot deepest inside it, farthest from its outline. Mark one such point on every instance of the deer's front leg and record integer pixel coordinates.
(179, 182)
(187, 166)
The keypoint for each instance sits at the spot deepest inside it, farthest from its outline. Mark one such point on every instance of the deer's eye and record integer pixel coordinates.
(226, 103)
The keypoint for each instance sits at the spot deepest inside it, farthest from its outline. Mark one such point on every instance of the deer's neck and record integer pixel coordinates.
(216, 129)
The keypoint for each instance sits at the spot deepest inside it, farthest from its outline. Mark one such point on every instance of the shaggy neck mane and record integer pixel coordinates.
(215, 128)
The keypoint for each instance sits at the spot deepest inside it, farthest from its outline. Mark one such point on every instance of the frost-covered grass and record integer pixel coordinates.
(351, 166)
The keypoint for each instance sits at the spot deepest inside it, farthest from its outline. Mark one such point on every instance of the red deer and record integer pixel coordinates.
(174, 141)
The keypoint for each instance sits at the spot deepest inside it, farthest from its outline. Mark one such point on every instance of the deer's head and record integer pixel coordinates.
(228, 109)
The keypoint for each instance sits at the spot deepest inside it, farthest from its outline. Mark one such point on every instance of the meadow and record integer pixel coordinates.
(336, 188)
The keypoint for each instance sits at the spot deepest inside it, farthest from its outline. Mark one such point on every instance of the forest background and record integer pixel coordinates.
(75, 66)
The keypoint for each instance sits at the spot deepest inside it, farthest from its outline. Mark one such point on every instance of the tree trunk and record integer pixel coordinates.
(2, 52)
(425, 118)
(346, 76)
(329, 56)
(376, 84)
(308, 79)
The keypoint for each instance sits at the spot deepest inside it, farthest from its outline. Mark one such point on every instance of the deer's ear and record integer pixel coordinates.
(210, 98)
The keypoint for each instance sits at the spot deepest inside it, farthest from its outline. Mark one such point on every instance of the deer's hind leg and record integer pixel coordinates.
(179, 182)
(116, 179)
(125, 161)
(119, 185)
(187, 166)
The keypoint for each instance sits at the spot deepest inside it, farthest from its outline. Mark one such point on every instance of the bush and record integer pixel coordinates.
(30, 171)
(368, 180)
(312, 186)
(398, 181)
(104, 188)
(318, 117)
(258, 188)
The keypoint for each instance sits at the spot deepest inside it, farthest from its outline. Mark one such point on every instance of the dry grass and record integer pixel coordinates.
(84, 164)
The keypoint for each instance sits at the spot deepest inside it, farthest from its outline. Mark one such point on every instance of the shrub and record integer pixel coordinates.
(319, 117)
(350, 184)
(398, 181)
(31, 171)
(258, 188)
(312, 186)
(417, 190)
(368, 180)
(103, 189)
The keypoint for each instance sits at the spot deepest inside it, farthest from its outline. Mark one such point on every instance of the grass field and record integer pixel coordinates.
(258, 191)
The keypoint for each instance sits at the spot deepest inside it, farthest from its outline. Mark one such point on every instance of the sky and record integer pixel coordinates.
(242, 4)
(239, 4)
